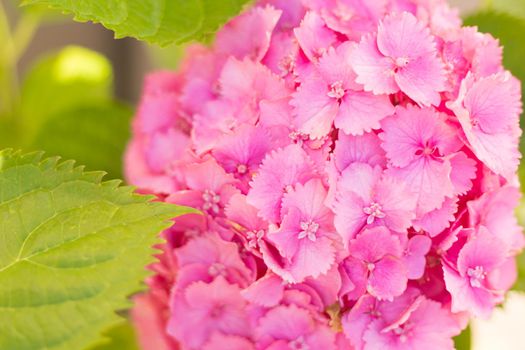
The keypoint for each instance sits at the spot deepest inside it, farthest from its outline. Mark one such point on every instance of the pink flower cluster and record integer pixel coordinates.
(355, 162)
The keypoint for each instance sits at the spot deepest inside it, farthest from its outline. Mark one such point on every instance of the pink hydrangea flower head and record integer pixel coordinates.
(354, 163)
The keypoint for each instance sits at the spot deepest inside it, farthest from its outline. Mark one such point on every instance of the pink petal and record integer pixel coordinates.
(374, 71)
(402, 35)
(463, 172)
(361, 112)
(494, 102)
(270, 184)
(388, 279)
(429, 180)
(437, 220)
(358, 149)
(249, 34)
(313, 36)
(267, 291)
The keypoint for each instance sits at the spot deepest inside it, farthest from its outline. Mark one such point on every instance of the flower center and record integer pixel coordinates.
(287, 65)
(403, 331)
(242, 169)
(476, 275)
(401, 62)
(298, 344)
(217, 269)
(254, 238)
(336, 90)
(217, 311)
(373, 211)
(309, 229)
(211, 201)
(428, 150)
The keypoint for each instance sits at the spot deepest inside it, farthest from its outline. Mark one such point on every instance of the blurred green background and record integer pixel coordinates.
(69, 88)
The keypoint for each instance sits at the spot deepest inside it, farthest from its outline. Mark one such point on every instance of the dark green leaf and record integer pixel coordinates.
(93, 135)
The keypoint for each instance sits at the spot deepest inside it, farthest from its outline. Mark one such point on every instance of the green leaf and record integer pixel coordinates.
(72, 249)
(74, 76)
(512, 7)
(156, 21)
(93, 135)
(463, 341)
(121, 337)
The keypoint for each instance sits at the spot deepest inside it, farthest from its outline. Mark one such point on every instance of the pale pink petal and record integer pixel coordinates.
(429, 180)
(313, 36)
(403, 36)
(249, 34)
(494, 102)
(270, 184)
(358, 149)
(437, 220)
(463, 172)
(374, 71)
(361, 112)
(267, 291)
(422, 80)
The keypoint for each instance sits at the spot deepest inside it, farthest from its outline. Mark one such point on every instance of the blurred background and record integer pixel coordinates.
(70, 88)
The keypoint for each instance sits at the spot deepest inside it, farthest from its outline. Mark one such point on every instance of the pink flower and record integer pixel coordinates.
(409, 322)
(290, 327)
(202, 309)
(401, 57)
(242, 152)
(472, 283)
(367, 197)
(376, 264)
(271, 183)
(314, 37)
(328, 94)
(488, 110)
(417, 143)
(305, 237)
(249, 34)
(209, 188)
(494, 211)
(206, 257)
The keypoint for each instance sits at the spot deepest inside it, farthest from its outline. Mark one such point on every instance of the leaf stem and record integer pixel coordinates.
(15, 44)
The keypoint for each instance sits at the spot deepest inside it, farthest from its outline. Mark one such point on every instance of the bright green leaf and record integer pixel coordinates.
(120, 337)
(74, 76)
(156, 21)
(93, 135)
(463, 341)
(72, 249)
